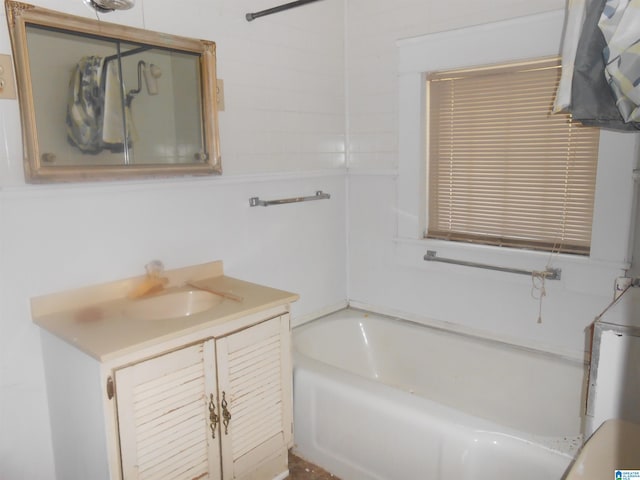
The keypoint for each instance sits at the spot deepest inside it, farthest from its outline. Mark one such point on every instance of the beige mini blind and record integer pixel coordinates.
(503, 170)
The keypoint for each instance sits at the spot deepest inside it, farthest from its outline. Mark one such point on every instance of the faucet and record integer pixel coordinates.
(152, 283)
(154, 268)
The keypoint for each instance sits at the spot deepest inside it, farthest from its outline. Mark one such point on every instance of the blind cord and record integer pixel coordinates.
(538, 283)
(538, 280)
(540, 276)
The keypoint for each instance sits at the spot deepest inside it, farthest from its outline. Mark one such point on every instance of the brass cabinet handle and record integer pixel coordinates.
(226, 415)
(213, 418)
(111, 388)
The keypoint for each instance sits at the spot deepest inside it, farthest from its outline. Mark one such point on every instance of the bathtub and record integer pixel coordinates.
(383, 398)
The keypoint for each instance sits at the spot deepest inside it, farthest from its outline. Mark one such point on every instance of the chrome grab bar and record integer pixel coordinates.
(548, 273)
(256, 202)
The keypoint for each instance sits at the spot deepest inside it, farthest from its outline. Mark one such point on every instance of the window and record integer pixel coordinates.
(502, 169)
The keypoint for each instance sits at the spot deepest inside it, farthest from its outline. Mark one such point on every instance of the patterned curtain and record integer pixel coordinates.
(600, 83)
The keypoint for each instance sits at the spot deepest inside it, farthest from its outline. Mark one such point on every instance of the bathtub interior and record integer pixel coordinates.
(533, 392)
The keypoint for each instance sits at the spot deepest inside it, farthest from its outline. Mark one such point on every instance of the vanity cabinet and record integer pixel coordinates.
(135, 395)
(162, 415)
(215, 409)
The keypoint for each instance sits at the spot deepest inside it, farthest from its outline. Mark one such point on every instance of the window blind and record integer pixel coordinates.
(503, 170)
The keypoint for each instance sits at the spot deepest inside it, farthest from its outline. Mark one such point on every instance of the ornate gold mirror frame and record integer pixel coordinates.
(88, 115)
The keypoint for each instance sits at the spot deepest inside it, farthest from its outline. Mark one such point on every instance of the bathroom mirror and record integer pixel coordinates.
(101, 101)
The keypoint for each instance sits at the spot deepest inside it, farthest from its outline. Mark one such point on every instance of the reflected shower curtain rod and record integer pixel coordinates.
(269, 11)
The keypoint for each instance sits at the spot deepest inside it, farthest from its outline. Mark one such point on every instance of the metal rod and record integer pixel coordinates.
(549, 273)
(127, 53)
(256, 202)
(118, 56)
(123, 105)
(269, 11)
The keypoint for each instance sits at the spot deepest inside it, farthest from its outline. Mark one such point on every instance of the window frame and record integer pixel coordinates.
(582, 143)
(516, 39)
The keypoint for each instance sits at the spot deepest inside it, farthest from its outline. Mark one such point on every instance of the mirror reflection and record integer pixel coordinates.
(113, 103)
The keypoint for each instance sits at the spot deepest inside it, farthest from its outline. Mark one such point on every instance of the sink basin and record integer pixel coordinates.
(172, 305)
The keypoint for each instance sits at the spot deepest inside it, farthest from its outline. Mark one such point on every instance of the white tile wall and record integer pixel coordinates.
(282, 135)
(373, 28)
(305, 89)
(387, 272)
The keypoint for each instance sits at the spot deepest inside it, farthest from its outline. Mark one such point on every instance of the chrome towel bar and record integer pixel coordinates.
(256, 202)
(548, 274)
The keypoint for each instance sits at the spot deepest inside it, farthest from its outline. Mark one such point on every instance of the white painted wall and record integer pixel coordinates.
(282, 135)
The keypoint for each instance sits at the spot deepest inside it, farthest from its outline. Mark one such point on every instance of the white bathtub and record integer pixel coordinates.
(382, 398)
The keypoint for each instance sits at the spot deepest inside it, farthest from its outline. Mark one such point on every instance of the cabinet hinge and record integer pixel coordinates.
(111, 388)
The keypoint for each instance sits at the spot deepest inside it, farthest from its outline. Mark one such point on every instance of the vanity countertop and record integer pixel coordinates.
(95, 319)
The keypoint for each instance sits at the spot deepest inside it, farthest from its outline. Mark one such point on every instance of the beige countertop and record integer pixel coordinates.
(95, 319)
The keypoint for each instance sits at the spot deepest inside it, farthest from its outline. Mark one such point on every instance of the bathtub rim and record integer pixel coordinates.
(579, 355)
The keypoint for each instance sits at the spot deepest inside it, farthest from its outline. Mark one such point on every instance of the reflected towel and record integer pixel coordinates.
(84, 105)
(112, 128)
(94, 111)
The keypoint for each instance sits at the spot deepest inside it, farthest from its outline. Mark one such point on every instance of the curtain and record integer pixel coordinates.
(600, 83)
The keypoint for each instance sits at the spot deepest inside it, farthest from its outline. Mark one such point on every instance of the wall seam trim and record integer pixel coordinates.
(44, 190)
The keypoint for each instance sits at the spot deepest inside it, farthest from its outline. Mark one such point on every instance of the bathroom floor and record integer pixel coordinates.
(300, 469)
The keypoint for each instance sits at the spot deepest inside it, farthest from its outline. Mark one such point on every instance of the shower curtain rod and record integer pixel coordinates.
(280, 8)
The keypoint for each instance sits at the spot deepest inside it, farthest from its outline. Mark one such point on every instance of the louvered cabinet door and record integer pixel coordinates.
(254, 383)
(164, 418)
